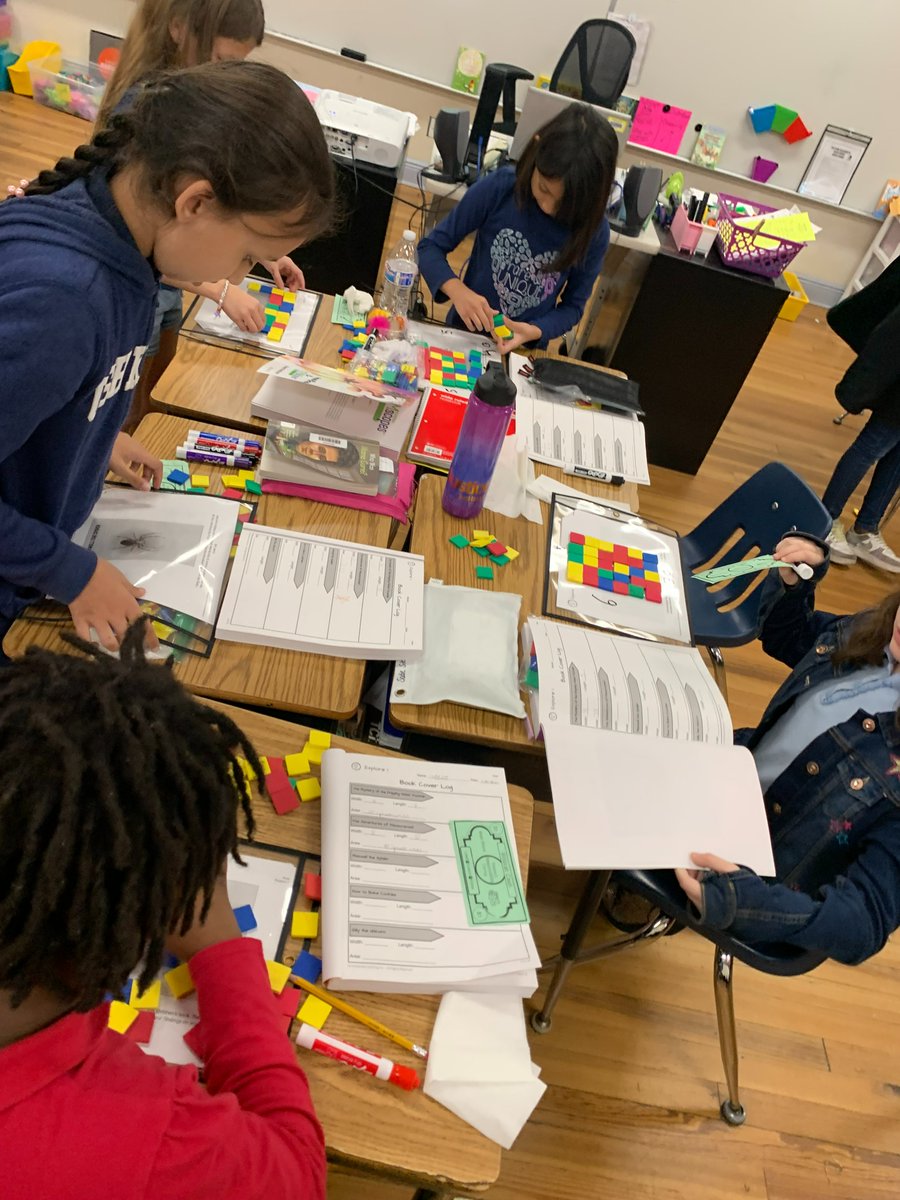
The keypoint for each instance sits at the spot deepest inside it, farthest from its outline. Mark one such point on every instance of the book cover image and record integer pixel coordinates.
(437, 432)
(708, 146)
(469, 65)
(306, 454)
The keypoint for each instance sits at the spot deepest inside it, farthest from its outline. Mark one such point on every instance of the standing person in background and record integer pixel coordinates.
(540, 234)
(194, 179)
(869, 322)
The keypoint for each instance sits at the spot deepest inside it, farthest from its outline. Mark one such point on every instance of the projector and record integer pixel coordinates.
(359, 129)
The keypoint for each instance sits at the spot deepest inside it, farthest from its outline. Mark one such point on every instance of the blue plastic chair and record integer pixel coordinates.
(671, 909)
(751, 521)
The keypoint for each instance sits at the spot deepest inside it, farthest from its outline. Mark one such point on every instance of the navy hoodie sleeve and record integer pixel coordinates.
(577, 291)
(468, 216)
(35, 384)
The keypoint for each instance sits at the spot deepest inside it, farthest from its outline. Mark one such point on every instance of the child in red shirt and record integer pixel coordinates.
(118, 807)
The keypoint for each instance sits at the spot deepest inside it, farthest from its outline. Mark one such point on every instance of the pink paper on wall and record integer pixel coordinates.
(659, 126)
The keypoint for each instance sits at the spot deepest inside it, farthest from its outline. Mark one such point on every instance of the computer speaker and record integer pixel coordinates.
(639, 194)
(451, 136)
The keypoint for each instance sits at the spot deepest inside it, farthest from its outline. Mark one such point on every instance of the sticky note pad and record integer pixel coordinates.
(179, 981)
(305, 925)
(121, 1016)
(148, 999)
(252, 487)
(312, 886)
(297, 764)
(245, 918)
(309, 789)
(279, 974)
(319, 738)
(200, 481)
(314, 1011)
(307, 966)
(459, 541)
(484, 572)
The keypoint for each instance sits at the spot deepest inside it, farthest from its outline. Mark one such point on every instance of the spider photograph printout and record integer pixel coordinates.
(175, 546)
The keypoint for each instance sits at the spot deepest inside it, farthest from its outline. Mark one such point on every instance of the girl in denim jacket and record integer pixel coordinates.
(828, 755)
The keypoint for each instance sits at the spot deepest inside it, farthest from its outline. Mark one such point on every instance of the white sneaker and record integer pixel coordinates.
(842, 552)
(871, 548)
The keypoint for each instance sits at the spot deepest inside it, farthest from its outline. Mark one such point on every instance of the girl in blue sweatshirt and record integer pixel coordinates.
(196, 181)
(540, 233)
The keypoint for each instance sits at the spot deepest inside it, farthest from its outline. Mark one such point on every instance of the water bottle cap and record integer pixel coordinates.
(408, 235)
(495, 387)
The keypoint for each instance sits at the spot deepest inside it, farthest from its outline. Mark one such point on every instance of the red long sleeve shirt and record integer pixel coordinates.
(85, 1113)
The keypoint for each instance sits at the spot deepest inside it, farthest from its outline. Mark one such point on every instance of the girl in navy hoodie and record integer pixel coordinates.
(540, 233)
(196, 181)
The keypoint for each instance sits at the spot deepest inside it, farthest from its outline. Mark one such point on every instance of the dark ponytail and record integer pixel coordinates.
(102, 151)
(244, 126)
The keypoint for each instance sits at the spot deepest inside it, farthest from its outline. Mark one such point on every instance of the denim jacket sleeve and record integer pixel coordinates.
(789, 623)
(850, 920)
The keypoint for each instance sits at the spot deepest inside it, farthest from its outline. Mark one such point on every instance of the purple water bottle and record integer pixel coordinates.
(484, 426)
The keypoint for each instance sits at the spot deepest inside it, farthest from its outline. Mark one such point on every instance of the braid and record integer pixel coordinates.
(104, 150)
(118, 799)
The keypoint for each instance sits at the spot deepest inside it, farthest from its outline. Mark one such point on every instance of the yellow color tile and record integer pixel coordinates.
(121, 1016)
(297, 764)
(245, 474)
(317, 737)
(264, 763)
(200, 481)
(148, 999)
(482, 533)
(309, 789)
(510, 553)
(233, 481)
(593, 542)
(279, 974)
(606, 547)
(305, 925)
(651, 576)
(575, 572)
(314, 754)
(179, 981)
(314, 1011)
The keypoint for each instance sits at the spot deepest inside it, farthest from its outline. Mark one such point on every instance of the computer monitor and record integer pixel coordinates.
(542, 106)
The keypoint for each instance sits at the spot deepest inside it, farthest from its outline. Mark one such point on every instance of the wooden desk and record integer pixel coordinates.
(525, 575)
(215, 383)
(267, 676)
(371, 1127)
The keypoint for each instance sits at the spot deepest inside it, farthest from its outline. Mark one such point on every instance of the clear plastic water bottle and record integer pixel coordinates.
(484, 426)
(401, 271)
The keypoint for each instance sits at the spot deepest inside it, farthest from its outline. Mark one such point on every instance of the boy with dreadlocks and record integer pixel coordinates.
(118, 809)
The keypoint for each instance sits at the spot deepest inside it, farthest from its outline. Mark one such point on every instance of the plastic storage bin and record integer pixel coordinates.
(19, 73)
(68, 86)
(692, 237)
(797, 301)
(737, 244)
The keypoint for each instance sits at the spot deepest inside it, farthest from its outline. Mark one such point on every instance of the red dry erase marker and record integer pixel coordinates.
(311, 1038)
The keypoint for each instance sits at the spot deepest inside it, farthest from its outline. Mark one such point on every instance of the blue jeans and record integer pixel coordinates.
(879, 443)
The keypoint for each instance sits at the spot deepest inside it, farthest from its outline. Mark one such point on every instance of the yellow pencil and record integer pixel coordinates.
(370, 1022)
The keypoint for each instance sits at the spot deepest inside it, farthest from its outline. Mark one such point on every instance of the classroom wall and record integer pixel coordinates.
(825, 267)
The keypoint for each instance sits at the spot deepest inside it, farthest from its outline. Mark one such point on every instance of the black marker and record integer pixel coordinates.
(357, 54)
(599, 476)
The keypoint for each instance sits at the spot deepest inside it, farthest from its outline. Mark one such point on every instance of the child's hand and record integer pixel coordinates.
(522, 332)
(108, 604)
(474, 311)
(17, 189)
(137, 466)
(286, 274)
(220, 925)
(690, 880)
(246, 312)
(797, 550)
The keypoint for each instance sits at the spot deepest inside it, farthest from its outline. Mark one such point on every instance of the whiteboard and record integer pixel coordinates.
(831, 63)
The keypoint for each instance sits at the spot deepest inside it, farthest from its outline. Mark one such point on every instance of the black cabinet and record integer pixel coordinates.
(690, 340)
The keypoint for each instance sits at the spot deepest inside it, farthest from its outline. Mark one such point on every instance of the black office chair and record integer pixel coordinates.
(670, 910)
(499, 83)
(594, 66)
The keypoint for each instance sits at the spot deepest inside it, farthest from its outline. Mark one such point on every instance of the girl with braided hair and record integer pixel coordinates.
(212, 169)
(108, 860)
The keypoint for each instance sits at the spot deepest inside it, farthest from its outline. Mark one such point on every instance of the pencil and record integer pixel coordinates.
(369, 1022)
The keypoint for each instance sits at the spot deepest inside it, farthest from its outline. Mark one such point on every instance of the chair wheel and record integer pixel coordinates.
(539, 1023)
(732, 1115)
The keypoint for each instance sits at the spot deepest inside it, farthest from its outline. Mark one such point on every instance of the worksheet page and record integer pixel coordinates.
(310, 593)
(394, 906)
(599, 680)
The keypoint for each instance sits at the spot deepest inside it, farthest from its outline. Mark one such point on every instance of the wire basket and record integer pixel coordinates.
(737, 244)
